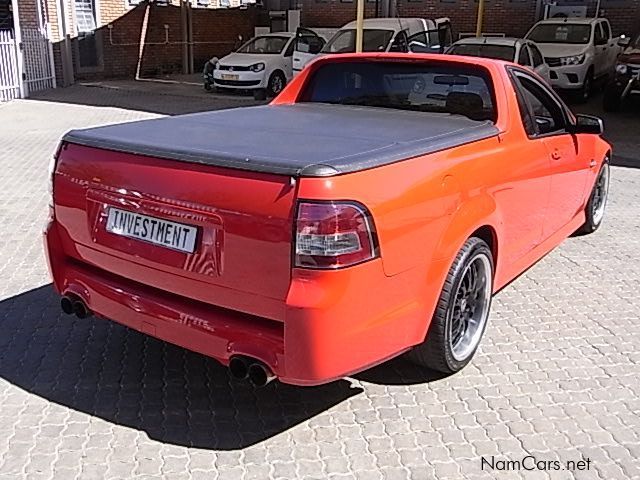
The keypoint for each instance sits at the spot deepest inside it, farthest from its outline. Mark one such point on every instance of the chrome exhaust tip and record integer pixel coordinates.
(259, 375)
(239, 368)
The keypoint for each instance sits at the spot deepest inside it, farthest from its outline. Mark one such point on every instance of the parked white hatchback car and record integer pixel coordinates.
(579, 52)
(517, 50)
(263, 64)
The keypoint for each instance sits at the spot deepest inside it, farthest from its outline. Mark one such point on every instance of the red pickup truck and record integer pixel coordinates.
(372, 209)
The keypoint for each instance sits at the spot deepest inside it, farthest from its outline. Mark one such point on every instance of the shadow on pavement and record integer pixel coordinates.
(399, 371)
(145, 97)
(620, 129)
(176, 396)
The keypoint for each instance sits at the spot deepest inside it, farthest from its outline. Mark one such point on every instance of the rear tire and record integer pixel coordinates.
(462, 311)
(597, 203)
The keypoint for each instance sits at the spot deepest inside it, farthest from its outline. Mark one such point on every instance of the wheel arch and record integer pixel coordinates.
(489, 235)
(480, 215)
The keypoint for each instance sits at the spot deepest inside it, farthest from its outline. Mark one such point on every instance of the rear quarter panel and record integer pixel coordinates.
(424, 207)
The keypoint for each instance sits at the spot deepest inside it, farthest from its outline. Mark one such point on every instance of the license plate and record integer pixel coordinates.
(226, 76)
(164, 233)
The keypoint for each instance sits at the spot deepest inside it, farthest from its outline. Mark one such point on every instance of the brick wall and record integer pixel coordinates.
(215, 33)
(28, 11)
(512, 17)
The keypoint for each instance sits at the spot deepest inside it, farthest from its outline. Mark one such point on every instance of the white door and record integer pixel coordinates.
(600, 43)
(539, 65)
(308, 45)
(612, 50)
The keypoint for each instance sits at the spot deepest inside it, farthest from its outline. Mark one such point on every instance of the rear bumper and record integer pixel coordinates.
(335, 323)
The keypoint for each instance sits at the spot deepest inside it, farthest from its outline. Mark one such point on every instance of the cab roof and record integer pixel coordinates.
(573, 20)
(506, 41)
(276, 34)
(388, 23)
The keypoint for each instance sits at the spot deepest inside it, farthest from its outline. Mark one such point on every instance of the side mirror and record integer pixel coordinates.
(587, 124)
(600, 41)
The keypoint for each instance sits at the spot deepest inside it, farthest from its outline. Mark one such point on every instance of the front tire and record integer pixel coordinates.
(594, 212)
(276, 84)
(462, 312)
(584, 93)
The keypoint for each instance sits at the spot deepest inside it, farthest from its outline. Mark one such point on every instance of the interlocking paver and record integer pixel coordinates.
(556, 377)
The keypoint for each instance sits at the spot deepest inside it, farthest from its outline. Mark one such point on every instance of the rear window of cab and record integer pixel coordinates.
(448, 88)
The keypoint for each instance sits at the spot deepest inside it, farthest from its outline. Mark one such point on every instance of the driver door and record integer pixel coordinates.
(568, 169)
(308, 45)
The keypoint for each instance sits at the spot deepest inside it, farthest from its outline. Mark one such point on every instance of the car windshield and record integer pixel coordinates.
(269, 45)
(345, 41)
(561, 33)
(498, 52)
(424, 87)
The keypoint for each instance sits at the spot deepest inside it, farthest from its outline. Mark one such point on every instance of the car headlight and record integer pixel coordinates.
(622, 69)
(573, 60)
(257, 67)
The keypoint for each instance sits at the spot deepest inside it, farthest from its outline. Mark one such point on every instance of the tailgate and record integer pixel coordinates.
(224, 231)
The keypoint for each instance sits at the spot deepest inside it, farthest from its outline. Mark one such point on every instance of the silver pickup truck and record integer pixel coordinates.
(580, 51)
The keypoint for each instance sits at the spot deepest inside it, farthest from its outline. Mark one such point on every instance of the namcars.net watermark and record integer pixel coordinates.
(531, 463)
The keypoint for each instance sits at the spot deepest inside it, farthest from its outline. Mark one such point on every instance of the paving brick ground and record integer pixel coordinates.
(557, 376)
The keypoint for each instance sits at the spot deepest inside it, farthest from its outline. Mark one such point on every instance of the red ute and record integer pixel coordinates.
(372, 209)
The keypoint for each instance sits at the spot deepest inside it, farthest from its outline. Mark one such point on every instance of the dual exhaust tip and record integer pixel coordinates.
(74, 306)
(244, 368)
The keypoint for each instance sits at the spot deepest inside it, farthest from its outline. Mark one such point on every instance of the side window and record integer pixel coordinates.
(400, 43)
(524, 58)
(445, 37)
(424, 42)
(545, 114)
(308, 44)
(536, 55)
(606, 30)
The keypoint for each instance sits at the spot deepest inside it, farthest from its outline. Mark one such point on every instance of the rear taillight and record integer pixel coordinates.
(333, 235)
(52, 169)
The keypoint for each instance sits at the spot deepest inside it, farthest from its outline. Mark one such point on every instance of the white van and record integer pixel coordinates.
(380, 35)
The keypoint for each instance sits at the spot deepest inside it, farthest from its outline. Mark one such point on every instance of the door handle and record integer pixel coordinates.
(556, 155)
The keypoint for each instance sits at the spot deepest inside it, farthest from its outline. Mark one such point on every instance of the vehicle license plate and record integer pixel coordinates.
(164, 233)
(226, 76)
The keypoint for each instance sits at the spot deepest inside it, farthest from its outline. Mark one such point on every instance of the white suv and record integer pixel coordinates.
(578, 50)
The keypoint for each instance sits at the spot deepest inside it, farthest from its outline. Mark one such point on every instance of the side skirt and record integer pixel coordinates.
(539, 252)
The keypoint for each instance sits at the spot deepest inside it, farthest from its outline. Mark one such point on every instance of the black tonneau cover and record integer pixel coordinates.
(301, 140)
